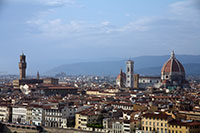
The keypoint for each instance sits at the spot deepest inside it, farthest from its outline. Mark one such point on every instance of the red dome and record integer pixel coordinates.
(172, 65)
(123, 76)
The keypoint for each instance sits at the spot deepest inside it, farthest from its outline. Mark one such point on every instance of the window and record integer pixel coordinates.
(161, 130)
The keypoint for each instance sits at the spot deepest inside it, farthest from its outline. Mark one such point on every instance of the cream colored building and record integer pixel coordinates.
(183, 127)
(84, 118)
(4, 113)
(155, 122)
(50, 81)
(29, 115)
(99, 93)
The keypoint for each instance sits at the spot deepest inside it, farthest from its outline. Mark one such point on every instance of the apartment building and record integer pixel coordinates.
(155, 122)
(5, 112)
(19, 114)
(86, 117)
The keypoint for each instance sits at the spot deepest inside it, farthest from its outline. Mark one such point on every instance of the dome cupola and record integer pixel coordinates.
(172, 68)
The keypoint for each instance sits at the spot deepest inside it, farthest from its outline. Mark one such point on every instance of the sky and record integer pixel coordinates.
(56, 32)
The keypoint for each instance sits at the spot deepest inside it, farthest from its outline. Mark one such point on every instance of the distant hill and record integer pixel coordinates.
(190, 69)
(145, 65)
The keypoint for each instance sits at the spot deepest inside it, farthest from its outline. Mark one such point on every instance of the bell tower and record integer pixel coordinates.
(129, 74)
(22, 66)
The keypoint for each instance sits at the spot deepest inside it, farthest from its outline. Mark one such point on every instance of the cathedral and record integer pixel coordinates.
(172, 76)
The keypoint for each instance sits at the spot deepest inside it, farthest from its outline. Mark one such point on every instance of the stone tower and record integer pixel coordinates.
(22, 66)
(38, 75)
(129, 74)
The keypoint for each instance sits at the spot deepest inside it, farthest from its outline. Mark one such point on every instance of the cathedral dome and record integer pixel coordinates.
(172, 66)
(121, 75)
(173, 73)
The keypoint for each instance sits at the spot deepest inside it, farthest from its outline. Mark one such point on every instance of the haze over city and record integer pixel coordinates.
(56, 32)
(100, 66)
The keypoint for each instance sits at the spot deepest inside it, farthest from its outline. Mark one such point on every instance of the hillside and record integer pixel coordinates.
(145, 65)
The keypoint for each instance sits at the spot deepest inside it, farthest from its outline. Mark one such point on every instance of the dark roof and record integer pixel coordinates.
(155, 115)
(180, 123)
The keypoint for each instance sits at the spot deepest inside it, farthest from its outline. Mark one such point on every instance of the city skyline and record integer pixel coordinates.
(100, 66)
(56, 32)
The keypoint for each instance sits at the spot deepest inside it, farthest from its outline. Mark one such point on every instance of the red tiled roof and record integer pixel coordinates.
(172, 65)
(159, 115)
(193, 123)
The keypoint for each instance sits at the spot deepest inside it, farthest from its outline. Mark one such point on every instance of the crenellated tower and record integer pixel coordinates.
(22, 66)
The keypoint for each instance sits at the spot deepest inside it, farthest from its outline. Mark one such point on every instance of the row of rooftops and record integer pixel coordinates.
(141, 97)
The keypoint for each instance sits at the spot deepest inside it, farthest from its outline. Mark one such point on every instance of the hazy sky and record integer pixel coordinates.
(54, 32)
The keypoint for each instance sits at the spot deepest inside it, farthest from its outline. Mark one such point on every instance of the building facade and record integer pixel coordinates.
(29, 118)
(155, 122)
(37, 116)
(5, 112)
(86, 117)
(53, 117)
(183, 127)
(19, 114)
